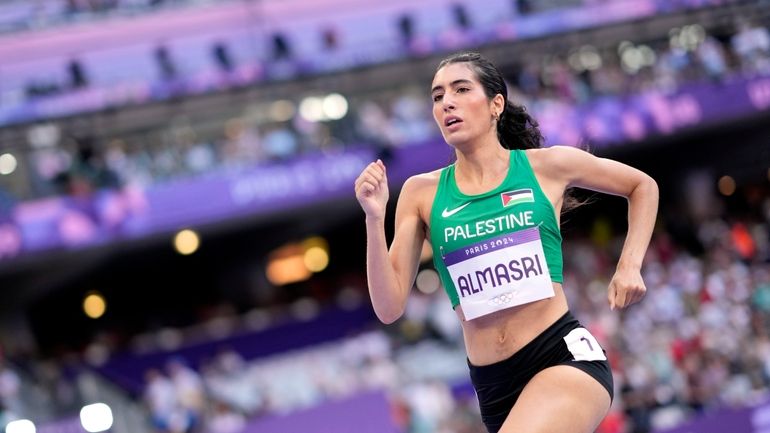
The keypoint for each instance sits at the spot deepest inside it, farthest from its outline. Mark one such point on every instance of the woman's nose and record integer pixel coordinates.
(448, 104)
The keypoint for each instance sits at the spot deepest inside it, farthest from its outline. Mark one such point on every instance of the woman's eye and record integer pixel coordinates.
(462, 89)
(437, 98)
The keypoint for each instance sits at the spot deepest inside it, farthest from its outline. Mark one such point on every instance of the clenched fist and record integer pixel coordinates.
(372, 190)
(626, 288)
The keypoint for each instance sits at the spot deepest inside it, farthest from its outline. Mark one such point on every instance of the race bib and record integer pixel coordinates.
(500, 273)
(584, 346)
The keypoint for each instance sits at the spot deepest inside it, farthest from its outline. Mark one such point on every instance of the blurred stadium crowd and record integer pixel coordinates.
(18, 15)
(700, 341)
(547, 84)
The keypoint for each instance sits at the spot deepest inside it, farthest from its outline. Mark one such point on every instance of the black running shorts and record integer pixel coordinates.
(499, 385)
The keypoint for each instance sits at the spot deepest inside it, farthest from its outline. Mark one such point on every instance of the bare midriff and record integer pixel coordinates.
(498, 336)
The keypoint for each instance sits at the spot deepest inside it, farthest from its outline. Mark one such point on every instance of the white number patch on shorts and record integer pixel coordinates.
(584, 346)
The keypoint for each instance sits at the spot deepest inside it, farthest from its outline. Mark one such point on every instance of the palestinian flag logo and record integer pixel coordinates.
(512, 198)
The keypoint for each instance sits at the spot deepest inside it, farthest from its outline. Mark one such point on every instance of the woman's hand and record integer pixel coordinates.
(372, 190)
(626, 288)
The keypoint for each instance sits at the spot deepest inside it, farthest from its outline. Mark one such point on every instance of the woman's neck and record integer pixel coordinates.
(478, 165)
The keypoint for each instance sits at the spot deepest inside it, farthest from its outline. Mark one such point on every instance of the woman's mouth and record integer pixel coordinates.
(452, 123)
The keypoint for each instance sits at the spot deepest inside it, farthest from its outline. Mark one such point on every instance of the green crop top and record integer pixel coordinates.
(464, 225)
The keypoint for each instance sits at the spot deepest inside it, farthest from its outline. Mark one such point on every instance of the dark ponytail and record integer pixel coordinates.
(516, 129)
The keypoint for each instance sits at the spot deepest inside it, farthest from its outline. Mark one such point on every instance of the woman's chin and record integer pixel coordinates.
(455, 139)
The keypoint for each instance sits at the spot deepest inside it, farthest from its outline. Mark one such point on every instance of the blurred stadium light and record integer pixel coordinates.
(96, 417)
(20, 426)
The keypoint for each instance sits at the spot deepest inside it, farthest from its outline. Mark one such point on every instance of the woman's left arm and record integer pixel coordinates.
(577, 168)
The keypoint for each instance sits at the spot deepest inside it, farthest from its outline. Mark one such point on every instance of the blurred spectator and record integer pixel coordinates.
(166, 413)
(224, 382)
(281, 48)
(78, 78)
(280, 143)
(188, 387)
(412, 121)
(166, 65)
(430, 402)
(87, 172)
(523, 7)
(10, 402)
(752, 45)
(225, 420)
(222, 57)
(405, 24)
(712, 55)
(460, 15)
(330, 38)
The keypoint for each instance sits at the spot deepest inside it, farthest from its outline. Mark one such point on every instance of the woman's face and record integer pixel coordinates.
(460, 107)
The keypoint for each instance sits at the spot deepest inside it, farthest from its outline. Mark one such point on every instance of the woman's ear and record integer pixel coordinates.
(498, 105)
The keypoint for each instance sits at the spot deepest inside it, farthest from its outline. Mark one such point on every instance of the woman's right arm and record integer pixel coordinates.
(390, 274)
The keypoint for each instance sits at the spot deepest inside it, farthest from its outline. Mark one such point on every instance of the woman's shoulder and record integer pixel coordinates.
(421, 188)
(427, 178)
(553, 152)
(556, 152)
(553, 158)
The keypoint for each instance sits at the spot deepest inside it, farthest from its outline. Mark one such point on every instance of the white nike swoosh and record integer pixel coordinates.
(448, 213)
